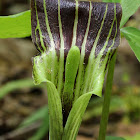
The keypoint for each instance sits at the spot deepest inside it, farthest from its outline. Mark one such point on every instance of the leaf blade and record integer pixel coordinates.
(136, 137)
(129, 7)
(43, 128)
(133, 37)
(13, 85)
(38, 115)
(16, 26)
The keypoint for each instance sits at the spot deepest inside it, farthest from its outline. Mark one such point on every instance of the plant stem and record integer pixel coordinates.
(107, 97)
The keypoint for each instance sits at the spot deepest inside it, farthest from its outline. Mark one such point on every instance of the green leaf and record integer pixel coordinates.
(114, 138)
(75, 117)
(13, 85)
(38, 115)
(136, 137)
(113, 1)
(129, 7)
(41, 132)
(133, 37)
(15, 26)
(41, 114)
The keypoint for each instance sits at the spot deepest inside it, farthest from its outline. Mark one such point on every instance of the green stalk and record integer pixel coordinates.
(107, 97)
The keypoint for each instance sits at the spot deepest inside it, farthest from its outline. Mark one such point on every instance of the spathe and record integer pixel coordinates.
(63, 23)
(58, 25)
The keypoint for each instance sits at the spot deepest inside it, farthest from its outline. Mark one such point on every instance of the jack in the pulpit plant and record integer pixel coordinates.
(76, 40)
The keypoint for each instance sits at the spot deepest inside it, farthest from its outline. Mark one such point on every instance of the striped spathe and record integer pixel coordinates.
(58, 25)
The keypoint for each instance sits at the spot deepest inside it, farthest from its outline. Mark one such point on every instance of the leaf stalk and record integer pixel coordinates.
(107, 98)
